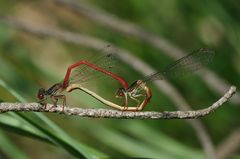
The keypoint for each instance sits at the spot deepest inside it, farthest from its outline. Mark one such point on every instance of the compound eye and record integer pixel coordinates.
(40, 96)
(120, 93)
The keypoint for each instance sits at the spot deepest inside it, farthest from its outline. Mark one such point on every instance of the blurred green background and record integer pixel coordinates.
(29, 61)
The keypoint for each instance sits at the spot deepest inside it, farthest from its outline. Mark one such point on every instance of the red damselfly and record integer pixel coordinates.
(80, 72)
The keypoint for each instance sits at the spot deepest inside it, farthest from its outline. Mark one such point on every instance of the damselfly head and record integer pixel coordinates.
(120, 92)
(41, 93)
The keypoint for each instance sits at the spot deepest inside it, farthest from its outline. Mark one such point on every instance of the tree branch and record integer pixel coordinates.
(109, 113)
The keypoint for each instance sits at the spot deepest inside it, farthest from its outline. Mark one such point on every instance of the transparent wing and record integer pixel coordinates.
(84, 73)
(183, 66)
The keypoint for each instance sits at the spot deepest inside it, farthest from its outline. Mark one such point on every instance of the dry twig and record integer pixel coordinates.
(108, 113)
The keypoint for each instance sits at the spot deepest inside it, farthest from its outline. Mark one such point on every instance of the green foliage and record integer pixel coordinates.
(28, 62)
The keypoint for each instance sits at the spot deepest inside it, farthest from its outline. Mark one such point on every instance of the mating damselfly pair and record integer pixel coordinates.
(84, 70)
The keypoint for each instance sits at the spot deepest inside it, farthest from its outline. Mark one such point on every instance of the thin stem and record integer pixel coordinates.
(108, 113)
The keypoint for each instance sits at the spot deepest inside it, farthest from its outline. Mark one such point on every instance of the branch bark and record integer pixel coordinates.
(109, 113)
